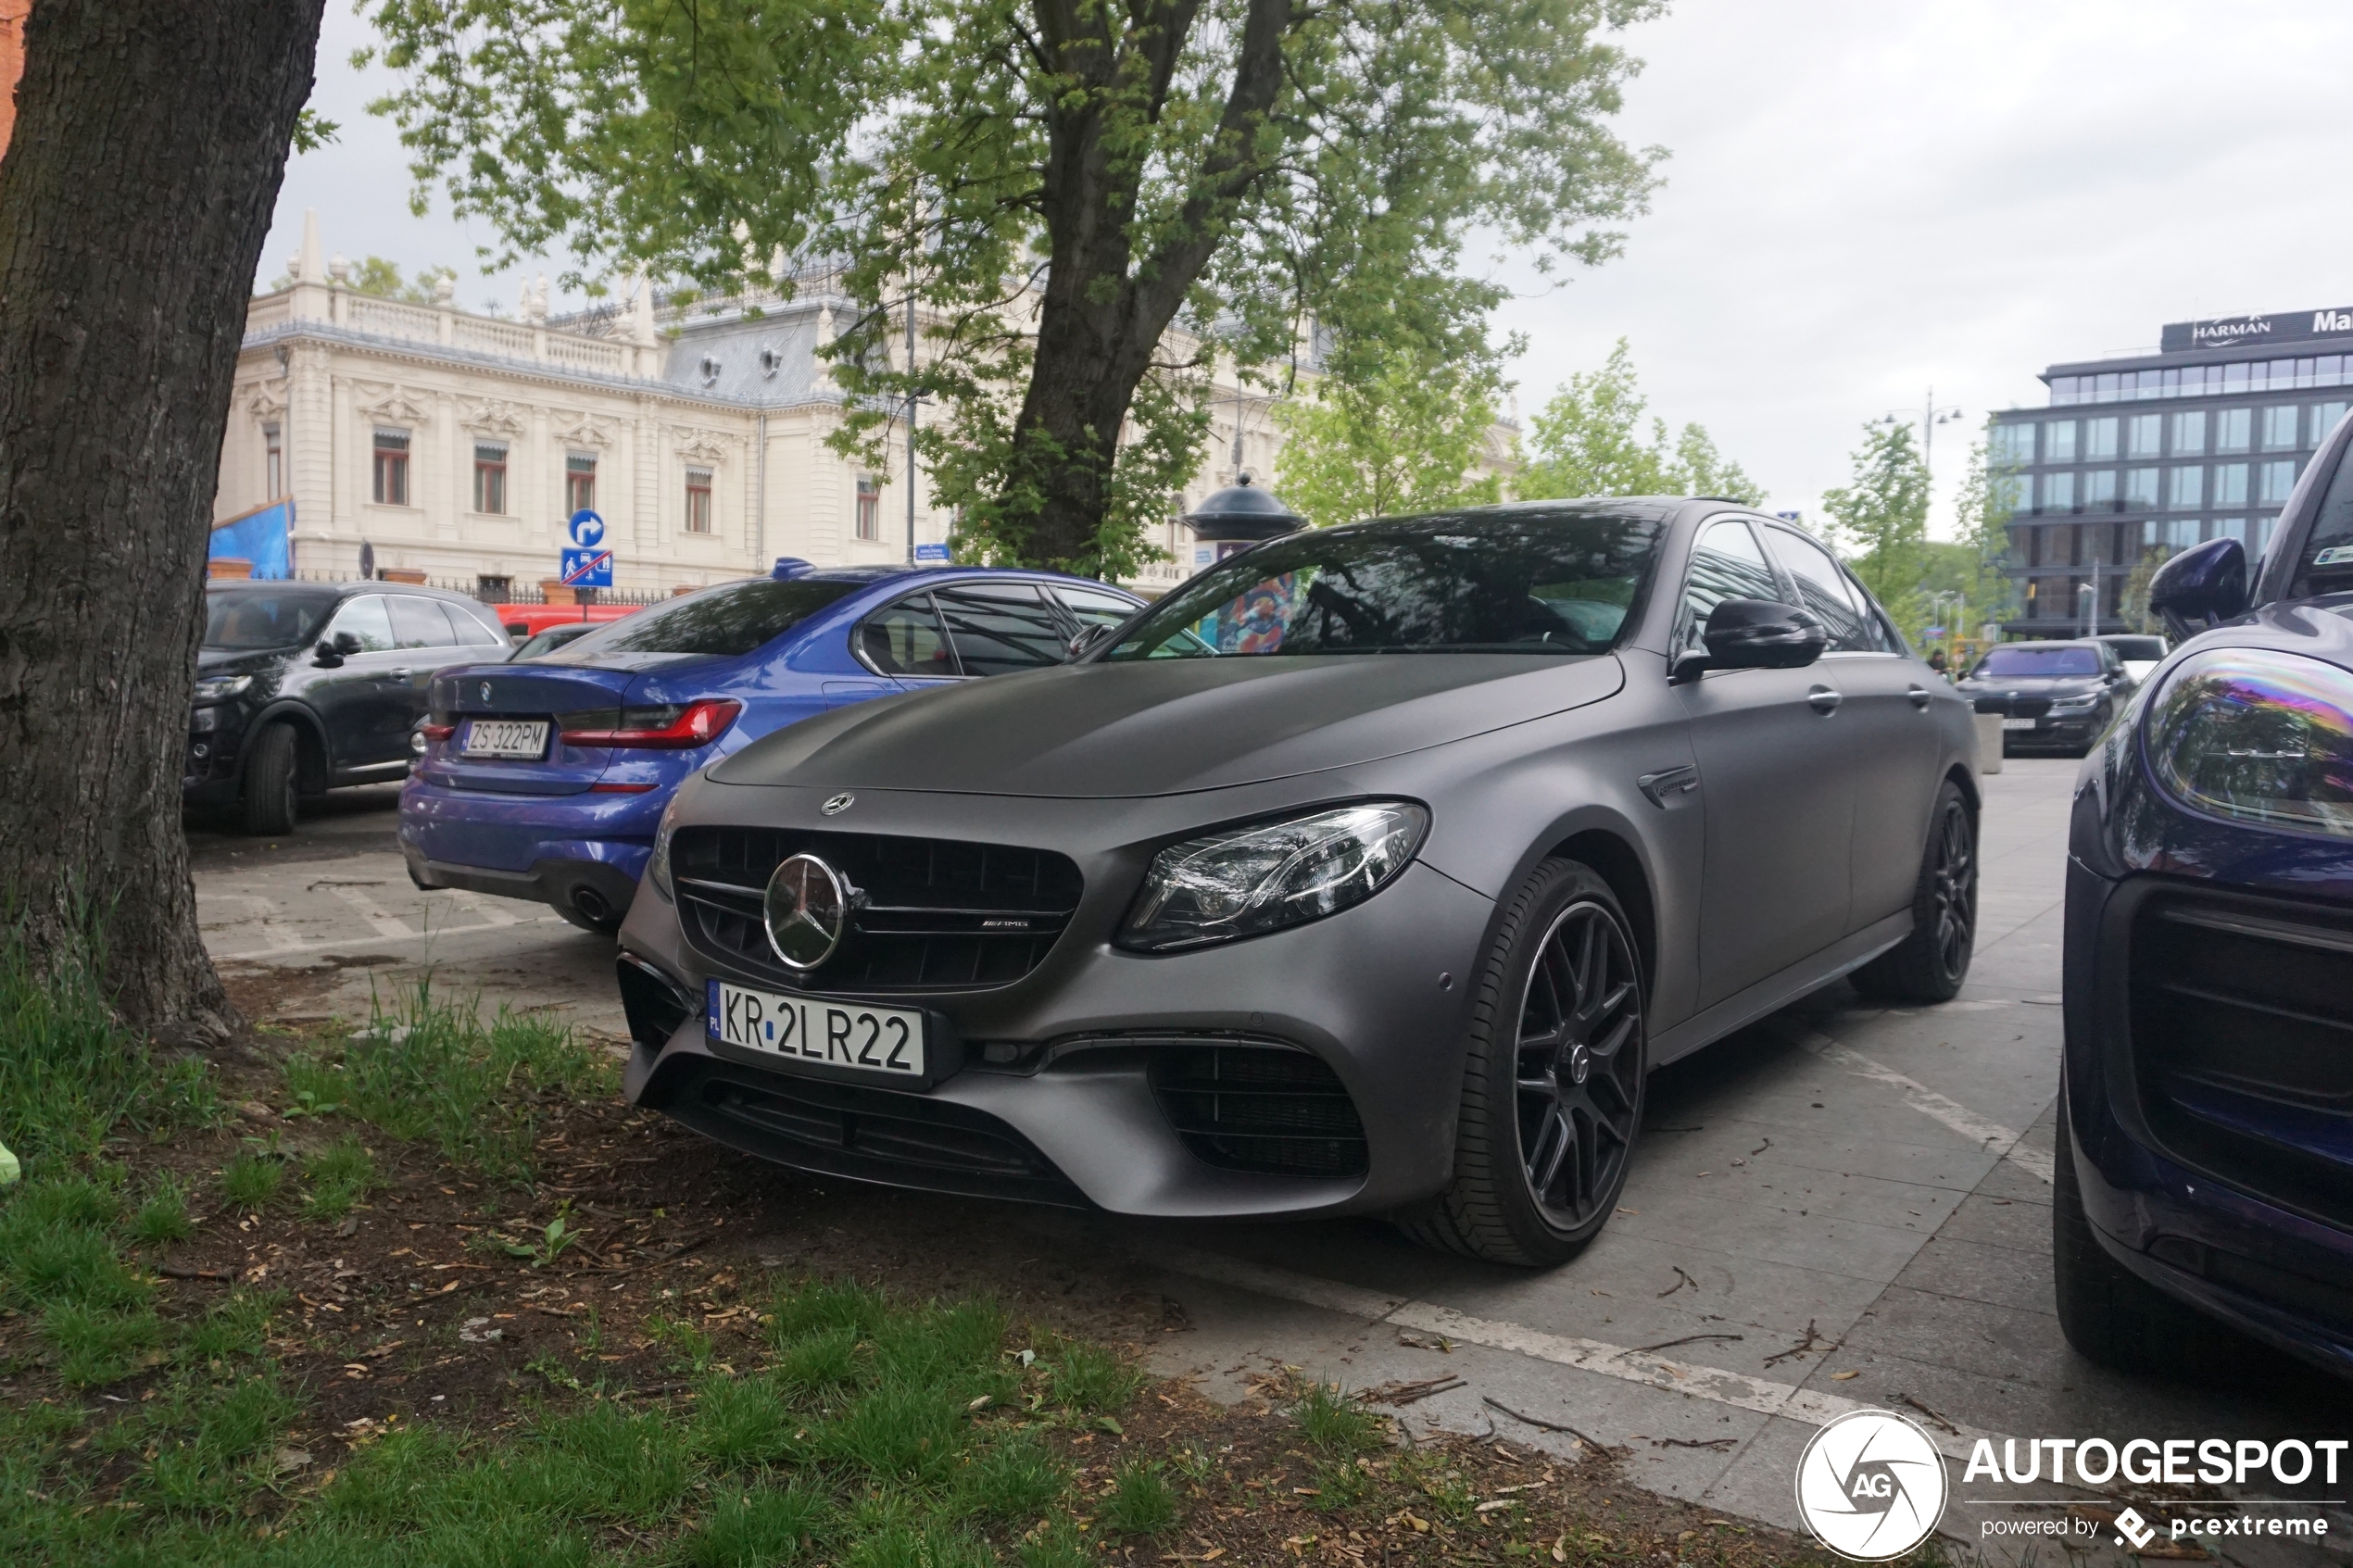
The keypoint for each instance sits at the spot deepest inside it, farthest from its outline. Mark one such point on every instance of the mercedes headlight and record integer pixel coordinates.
(2260, 737)
(220, 688)
(657, 865)
(1267, 875)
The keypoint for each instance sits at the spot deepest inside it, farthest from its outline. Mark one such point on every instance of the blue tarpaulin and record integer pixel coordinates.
(261, 537)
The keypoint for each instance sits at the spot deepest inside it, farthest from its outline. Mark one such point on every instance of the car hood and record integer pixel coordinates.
(240, 661)
(2033, 685)
(1168, 727)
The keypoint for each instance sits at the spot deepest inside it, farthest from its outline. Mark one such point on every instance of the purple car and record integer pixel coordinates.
(545, 779)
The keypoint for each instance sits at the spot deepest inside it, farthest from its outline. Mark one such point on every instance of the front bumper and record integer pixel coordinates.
(1061, 1065)
(2261, 1260)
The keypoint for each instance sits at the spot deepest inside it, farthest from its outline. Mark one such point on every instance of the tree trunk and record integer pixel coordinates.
(134, 196)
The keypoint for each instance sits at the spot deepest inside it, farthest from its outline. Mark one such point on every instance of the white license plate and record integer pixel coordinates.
(889, 1041)
(2018, 723)
(505, 738)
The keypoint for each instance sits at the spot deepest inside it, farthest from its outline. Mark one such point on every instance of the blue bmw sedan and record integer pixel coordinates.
(546, 779)
(2205, 1166)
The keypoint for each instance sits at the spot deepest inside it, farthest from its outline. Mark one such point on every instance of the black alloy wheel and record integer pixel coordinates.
(1930, 964)
(1554, 1064)
(1580, 1088)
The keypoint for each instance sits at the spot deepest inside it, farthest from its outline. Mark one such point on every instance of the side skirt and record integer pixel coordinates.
(1777, 991)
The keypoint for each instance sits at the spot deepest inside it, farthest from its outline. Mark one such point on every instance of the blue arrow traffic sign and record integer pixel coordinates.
(588, 568)
(588, 528)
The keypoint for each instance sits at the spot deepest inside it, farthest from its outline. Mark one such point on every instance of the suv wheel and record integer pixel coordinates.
(2108, 1314)
(267, 797)
(1552, 1082)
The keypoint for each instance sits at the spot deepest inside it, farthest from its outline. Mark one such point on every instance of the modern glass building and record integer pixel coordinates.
(2146, 454)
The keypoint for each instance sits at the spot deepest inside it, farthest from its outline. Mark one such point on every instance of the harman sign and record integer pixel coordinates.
(2229, 332)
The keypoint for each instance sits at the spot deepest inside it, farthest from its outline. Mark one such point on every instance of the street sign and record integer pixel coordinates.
(588, 568)
(1933, 632)
(932, 553)
(588, 528)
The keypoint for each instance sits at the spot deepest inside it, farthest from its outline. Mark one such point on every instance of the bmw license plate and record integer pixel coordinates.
(505, 738)
(885, 1041)
(2018, 723)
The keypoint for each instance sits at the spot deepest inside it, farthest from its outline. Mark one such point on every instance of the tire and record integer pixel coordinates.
(1554, 1062)
(267, 795)
(1930, 964)
(2108, 1314)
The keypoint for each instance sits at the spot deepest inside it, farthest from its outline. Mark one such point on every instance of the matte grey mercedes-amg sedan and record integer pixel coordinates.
(1370, 871)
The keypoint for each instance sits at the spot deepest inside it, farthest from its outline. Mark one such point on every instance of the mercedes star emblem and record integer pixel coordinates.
(807, 909)
(838, 804)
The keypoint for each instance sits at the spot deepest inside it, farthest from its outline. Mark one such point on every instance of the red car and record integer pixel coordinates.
(525, 621)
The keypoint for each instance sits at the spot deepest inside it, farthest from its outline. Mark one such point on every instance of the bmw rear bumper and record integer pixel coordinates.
(544, 848)
(1063, 1097)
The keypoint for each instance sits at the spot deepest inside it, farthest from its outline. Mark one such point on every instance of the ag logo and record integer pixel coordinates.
(1871, 1485)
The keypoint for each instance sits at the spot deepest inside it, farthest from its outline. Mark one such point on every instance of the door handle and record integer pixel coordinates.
(1823, 700)
(1919, 696)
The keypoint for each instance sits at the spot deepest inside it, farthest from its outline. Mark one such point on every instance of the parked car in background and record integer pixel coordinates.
(305, 686)
(2141, 653)
(2052, 697)
(546, 780)
(525, 621)
(553, 638)
(2206, 1131)
(1371, 871)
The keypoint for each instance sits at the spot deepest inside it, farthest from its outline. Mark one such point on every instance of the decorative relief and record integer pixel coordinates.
(492, 416)
(390, 404)
(265, 400)
(585, 431)
(703, 445)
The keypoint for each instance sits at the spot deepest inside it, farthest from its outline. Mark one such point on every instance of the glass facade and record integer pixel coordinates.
(2204, 380)
(2233, 428)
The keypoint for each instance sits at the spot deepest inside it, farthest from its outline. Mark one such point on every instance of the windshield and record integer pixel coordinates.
(733, 618)
(244, 620)
(2011, 662)
(1554, 581)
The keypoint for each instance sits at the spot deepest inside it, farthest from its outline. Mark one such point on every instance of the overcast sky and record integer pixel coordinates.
(1865, 199)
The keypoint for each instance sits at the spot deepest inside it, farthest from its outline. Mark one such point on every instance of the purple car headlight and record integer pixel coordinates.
(2257, 737)
(1267, 875)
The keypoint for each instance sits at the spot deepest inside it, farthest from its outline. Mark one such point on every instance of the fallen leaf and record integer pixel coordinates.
(1842, 1377)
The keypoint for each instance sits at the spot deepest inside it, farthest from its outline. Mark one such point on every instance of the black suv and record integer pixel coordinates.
(2051, 695)
(305, 686)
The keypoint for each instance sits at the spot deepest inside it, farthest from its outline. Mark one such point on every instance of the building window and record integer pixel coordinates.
(2230, 484)
(2280, 427)
(2099, 438)
(2142, 434)
(490, 477)
(2274, 480)
(2324, 417)
(2099, 488)
(2059, 491)
(2189, 489)
(273, 462)
(2232, 428)
(2058, 442)
(697, 500)
(2189, 433)
(2011, 446)
(580, 483)
(392, 467)
(2230, 528)
(869, 506)
(2177, 534)
(2016, 491)
(2140, 489)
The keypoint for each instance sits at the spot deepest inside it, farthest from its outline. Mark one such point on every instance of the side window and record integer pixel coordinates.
(1726, 564)
(905, 639)
(1827, 593)
(364, 620)
(999, 628)
(469, 631)
(418, 623)
(1092, 606)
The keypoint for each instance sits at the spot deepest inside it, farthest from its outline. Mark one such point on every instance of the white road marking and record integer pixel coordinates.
(1762, 1395)
(490, 910)
(1991, 1135)
(261, 955)
(385, 923)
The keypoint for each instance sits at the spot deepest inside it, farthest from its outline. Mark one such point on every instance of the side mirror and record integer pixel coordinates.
(1089, 637)
(326, 656)
(2205, 585)
(1760, 634)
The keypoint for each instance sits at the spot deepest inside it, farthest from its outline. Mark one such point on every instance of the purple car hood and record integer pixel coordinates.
(1168, 727)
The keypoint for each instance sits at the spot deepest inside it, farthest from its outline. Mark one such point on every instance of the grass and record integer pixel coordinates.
(335, 1178)
(251, 1179)
(430, 1068)
(1141, 1501)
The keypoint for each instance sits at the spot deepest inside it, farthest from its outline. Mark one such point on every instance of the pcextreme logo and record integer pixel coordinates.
(1871, 1486)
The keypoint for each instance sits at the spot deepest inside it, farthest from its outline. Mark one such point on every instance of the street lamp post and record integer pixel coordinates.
(1930, 415)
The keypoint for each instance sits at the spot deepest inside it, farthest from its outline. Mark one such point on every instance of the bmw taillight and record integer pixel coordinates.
(671, 727)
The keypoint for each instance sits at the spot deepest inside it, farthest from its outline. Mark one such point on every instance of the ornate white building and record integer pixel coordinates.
(457, 445)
